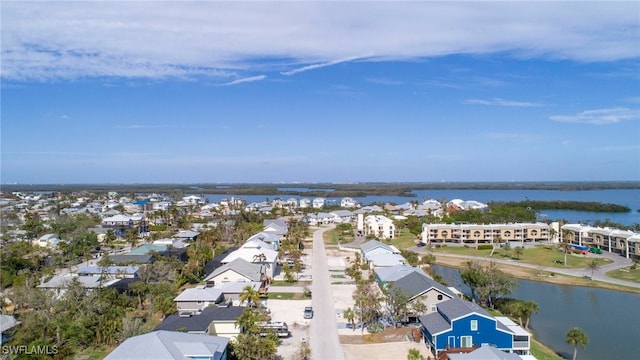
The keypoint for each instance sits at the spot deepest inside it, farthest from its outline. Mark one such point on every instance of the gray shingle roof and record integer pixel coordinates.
(414, 284)
(169, 345)
(453, 309)
(372, 244)
(242, 267)
(434, 323)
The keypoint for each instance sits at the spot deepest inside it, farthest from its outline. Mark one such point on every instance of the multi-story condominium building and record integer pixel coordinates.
(625, 242)
(379, 226)
(484, 233)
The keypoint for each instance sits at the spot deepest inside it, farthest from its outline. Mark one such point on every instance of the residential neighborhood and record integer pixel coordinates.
(190, 278)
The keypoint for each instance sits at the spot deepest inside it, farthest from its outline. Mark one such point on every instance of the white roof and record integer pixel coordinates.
(250, 254)
(199, 294)
(515, 328)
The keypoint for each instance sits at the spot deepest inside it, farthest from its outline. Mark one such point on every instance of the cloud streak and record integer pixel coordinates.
(600, 116)
(501, 102)
(220, 40)
(245, 80)
(318, 66)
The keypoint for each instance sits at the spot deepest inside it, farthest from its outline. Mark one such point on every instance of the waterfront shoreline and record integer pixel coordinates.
(535, 275)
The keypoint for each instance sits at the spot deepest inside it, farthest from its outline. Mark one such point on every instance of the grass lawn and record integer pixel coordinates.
(542, 352)
(547, 256)
(285, 296)
(93, 353)
(625, 274)
(403, 240)
(330, 237)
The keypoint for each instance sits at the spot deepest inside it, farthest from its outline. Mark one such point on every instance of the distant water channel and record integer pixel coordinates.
(611, 319)
(626, 197)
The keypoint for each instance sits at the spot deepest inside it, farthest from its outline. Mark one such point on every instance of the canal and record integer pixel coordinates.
(611, 319)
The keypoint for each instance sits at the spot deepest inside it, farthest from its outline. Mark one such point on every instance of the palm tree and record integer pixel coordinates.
(593, 265)
(350, 315)
(564, 245)
(576, 337)
(414, 354)
(251, 296)
(528, 308)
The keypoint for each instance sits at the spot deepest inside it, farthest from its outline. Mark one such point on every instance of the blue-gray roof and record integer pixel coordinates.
(170, 345)
(415, 284)
(372, 244)
(111, 270)
(249, 270)
(453, 309)
(201, 322)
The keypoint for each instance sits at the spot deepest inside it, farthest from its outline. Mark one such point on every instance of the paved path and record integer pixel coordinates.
(324, 340)
(618, 262)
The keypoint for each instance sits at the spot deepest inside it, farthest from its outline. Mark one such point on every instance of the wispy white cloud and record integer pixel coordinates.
(245, 80)
(501, 102)
(65, 117)
(633, 99)
(220, 40)
(320, 65)
(600, 116)
(384, 81)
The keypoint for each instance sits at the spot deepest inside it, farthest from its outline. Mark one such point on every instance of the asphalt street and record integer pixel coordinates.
(324, 340)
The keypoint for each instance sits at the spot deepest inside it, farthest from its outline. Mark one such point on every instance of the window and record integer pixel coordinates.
(434, 308)
(466, 341)
(439, 296)
(474, 325)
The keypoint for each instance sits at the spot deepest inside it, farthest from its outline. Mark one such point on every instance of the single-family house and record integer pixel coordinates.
(232, 290)
(345, 216)
(7, 325)
(213, 320)
(256, 252)
(171, 345)
(458, 323)
(415, 284)
(348, 202)
(109, 272)
(194, 300)
(269, 238)
(375, 247)
(277, 227)
(186, 235)
(385, 260)
(304, 203)
(48, 240)
(318, 203)
(237, 270)
(60, 283)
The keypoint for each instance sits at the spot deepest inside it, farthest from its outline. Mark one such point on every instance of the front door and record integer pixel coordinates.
(451, 341)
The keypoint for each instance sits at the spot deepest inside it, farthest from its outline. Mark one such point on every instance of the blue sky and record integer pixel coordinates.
(150, 92)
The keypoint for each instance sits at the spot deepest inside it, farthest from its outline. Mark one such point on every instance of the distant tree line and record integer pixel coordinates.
(590, 206)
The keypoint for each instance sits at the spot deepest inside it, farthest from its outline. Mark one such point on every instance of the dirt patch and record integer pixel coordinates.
(388, 335)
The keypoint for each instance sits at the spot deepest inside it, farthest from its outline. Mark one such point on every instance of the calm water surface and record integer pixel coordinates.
(627, 197)
(609, 318)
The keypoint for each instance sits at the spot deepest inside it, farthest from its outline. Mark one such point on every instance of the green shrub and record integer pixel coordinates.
(376, 327)
(485, 247)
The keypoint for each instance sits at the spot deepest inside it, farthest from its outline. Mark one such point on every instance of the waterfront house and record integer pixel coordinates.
(170, 345)
(415, 284)
(458, 323)
(375, 247)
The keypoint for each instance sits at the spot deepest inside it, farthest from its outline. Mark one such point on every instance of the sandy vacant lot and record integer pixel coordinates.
(291, 312)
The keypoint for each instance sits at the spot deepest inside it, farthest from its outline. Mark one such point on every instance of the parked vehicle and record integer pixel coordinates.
(595, 250)
(279, 328)
(308, 312)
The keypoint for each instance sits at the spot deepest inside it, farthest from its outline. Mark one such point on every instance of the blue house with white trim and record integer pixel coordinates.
(462, 324)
